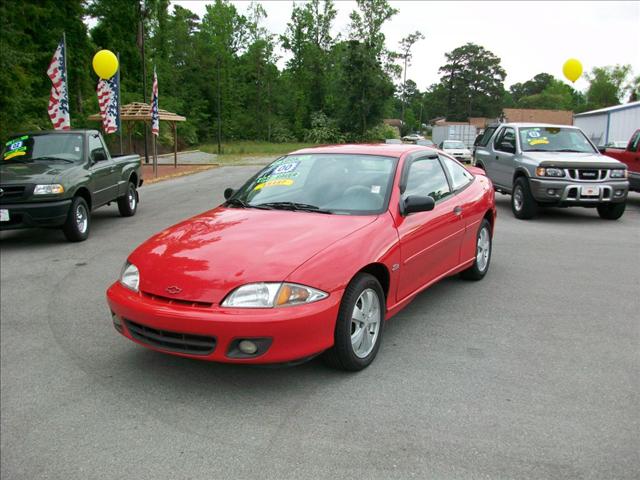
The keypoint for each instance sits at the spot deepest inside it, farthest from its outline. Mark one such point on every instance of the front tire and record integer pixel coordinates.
(128, 204)
(480, 266)
(612, 211)
(523, 205)
(359, 326)
(78, 223)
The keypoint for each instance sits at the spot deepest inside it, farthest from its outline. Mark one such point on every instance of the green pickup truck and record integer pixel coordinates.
(56, 178)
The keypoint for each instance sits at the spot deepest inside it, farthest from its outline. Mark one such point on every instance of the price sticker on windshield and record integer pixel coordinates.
(285, 168)
(15, 148)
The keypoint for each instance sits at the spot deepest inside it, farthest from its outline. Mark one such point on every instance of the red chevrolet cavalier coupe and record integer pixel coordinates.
(310, 255)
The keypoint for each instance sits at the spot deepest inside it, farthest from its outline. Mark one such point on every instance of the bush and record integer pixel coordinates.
(323, 130)
(380, 133)
(281, 134)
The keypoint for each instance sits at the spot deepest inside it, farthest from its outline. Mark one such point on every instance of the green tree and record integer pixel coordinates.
(474, 80)
(608, 86)
(406, 44)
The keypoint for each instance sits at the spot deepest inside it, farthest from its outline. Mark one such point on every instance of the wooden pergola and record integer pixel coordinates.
(141, 112)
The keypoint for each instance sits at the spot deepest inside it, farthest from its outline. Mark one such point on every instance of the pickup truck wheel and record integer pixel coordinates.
(76, 228)
(480, 266)
(128, 204)
(359, 325)
(611, 212)
(523, 205)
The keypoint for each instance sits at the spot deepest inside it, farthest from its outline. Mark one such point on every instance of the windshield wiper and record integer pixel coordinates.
(236, 202)
(53, 158)
(571, 150)
(305, 207)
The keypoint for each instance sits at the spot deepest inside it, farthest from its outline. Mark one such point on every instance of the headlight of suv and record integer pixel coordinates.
(618, 173)
(271, 294)
(549, 172)
(53, 189)
(130, 276)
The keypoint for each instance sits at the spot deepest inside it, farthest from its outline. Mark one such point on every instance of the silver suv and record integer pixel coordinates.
(551, 166)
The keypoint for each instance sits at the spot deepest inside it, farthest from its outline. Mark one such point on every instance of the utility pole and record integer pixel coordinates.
(144, 75)
(219, 112)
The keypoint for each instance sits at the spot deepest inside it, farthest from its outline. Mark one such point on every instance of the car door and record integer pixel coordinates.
(504, 150)
(102, 168)
(482, 150)
(429, 241)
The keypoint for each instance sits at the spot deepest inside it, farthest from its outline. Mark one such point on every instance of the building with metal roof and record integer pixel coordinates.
(611, 124)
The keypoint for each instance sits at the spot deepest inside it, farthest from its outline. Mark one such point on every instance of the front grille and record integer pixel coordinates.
(12, 192)
(175, 301)
(171, 341)
(590, 174)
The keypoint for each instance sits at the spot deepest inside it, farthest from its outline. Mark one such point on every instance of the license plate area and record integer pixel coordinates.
(590, 191)
(4, 215)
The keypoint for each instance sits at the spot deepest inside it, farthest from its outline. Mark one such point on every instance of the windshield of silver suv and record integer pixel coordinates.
(554, 139)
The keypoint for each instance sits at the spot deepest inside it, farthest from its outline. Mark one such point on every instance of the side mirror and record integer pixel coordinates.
(227, 193)
(98, 155)
(602, 149)
(416, 203)
(507, 147)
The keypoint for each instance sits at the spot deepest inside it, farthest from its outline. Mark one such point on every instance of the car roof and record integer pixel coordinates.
(530, 124)
(53, 132)
(382, 149)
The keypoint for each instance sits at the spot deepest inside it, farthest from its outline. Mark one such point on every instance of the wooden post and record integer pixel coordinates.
(175, 144)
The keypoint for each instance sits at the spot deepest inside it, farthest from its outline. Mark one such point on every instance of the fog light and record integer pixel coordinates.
(247, 347)
(551, 191)
(117, 322)
(618, 193)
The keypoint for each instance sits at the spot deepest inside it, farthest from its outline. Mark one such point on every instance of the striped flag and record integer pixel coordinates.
(108, 101)
(155, 118)
(59, 97)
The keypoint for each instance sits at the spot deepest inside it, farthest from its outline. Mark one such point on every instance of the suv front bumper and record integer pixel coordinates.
(35, 214)
(568, 193)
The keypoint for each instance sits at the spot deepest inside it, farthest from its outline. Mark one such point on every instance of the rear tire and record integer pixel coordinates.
(359, 326)
(78, 223)
(128, 204)
(523, 205)
(480, 266)
(612, 211)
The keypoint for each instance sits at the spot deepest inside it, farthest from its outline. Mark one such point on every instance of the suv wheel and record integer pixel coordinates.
(523, 205)
(76, 228)
(612, 211)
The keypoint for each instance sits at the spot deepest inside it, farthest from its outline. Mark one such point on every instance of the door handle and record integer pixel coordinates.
(497, 158)
(458, 210)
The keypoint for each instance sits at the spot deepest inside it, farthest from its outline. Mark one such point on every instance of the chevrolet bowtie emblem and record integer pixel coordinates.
(173, 289)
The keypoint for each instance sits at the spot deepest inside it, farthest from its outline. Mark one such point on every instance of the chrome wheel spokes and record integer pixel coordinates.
(365, 323)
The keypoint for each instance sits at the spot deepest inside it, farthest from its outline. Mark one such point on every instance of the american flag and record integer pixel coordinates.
(108, 101)
(155, 118)
(59, 97)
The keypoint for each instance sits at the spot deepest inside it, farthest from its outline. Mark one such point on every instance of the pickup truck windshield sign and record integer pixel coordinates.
(15, 148)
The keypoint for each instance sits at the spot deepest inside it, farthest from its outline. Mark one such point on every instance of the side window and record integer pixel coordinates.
(459, 175)
(483, 141)
(635, 141)
(506, 136)
(426, 178)
(97, 152)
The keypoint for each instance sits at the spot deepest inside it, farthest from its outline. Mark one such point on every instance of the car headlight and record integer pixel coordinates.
(130, 276)
(549, 172)
(618, 173)
(52, 189)
(272, 294)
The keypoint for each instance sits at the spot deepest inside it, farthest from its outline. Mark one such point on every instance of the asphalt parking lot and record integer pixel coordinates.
(531, 373)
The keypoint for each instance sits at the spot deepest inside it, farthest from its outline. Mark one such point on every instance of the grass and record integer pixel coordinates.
(240, 151)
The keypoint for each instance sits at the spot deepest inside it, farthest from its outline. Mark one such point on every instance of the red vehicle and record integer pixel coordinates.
(311, 255)
(630, 156)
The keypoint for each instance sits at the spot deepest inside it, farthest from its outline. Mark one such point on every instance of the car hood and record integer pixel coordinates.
(570, 159)
(31, 172)
(204, 258)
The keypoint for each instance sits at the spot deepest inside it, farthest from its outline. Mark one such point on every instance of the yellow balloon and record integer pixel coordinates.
(572, 69)
(105, 64)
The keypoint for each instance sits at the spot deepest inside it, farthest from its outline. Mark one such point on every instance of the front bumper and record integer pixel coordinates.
(35, 214)
(569, 193)
(294, 333)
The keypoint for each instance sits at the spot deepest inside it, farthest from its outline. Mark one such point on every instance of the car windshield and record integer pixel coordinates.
(63, 147)
(554, 139)
(454, 144)
(323, 183)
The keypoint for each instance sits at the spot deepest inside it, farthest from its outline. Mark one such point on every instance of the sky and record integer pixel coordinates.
(529, 37)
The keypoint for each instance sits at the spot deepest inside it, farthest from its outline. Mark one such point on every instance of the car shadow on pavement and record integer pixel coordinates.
(101, 220)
